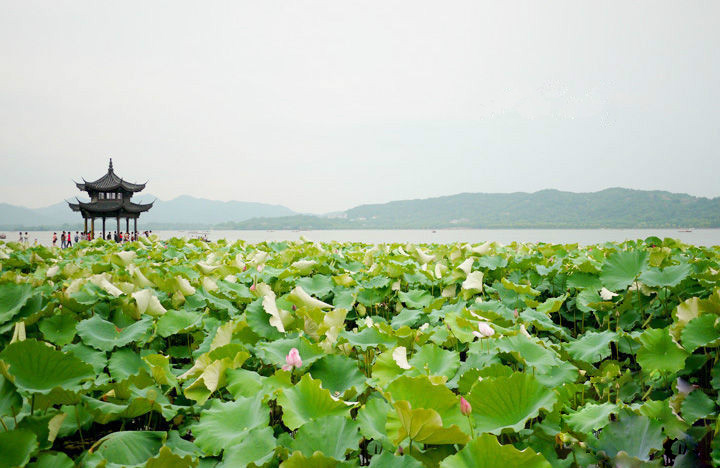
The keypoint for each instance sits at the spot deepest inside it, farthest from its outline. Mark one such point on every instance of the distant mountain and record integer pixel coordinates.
(184, 212)
(610, 208)
(189, 210)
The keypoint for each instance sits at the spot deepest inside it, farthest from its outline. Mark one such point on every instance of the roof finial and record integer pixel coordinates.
(110, 169)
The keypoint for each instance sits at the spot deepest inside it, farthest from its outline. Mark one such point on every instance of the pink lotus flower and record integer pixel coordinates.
(484, 330)
(292, 360)
(465, 407)
(252, 288)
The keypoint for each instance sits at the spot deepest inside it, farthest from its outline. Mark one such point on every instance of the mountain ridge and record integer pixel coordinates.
(614, 207)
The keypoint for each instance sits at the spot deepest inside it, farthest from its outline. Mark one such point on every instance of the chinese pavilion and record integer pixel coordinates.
(110, 198)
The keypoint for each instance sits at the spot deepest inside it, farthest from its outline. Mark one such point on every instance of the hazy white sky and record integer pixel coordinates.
(323, 105)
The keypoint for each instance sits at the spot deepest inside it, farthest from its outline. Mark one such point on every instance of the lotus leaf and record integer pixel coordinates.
(37, 368)
(307, 401)
(486, 452)
(105, 336)
(508, 402)
(331, 435)
(16, 447)
(225, 424)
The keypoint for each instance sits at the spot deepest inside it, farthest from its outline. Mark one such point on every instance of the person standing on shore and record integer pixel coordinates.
(62, 240)
(54, 239)
(68, 240)
(21, 237)
(77, 236)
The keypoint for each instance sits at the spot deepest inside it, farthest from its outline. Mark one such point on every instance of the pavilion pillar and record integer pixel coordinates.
(127, 225)
(118, 225)
(92, 228)
(135, 225)
(85, 231)
(103, 227)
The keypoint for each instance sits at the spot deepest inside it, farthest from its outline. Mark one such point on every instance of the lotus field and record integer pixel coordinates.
(299, 354)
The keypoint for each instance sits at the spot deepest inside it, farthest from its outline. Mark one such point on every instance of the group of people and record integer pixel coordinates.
(67, 238)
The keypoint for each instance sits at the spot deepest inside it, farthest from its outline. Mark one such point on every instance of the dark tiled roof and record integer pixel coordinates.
(108, 182)
(111, 206)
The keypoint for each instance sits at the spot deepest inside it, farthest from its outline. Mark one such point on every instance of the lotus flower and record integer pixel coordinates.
(292, 360)
(465, 407)
(252, 288)
(484, 330)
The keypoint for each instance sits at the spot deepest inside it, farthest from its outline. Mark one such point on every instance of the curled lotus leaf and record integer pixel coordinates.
(36, 367)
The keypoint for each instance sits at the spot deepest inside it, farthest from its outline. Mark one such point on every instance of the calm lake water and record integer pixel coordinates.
(705, 237)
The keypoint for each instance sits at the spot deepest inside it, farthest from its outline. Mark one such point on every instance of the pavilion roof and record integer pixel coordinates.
(111, 206)
(109, 182)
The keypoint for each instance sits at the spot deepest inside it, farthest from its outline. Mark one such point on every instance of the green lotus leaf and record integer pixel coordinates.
(318, 285)
(415, 298)
(508, 402)
(621, 269)
(337, 373)
(697, 405)
(592, 346)
(368, 337)
(258, 447)
(525, 289)
(307, 401)
(17, 447)
(486, 452)
(660, 410)
(124, 363)
(422, 425)
(581, 280)
(227, 423)
(591, 417)
(659, 351)
(275, 352)
(105, 336)
(667, 277)
(166, 458)
(371, 297)
(433, 360)
(97, 359)
(178, 321)
(331, 435)
(318, 460)
(552, 304)
(37, 368)
(129, 447)
(388, 460)
(372, 417)
(12, 298)
(59, 329)
(701, 331)
(52, 460)
(160, 369)
(636, 435)
(10, 399)
(420, 392)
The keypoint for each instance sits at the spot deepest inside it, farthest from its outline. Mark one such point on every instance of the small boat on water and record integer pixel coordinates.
(686, 230)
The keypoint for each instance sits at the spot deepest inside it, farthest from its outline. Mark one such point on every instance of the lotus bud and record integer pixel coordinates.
(465, 407)
(292, 360)
(515, 313)
(252, 288)
(294, 307)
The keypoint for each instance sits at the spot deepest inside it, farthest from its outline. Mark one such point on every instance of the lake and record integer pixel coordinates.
(704, 237)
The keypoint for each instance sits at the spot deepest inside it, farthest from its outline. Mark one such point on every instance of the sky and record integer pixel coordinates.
(324, 105)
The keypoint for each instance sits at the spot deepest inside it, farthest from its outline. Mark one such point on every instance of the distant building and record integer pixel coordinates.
(110, 199)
